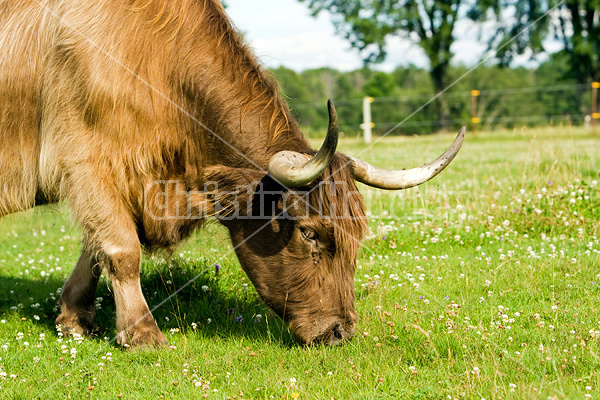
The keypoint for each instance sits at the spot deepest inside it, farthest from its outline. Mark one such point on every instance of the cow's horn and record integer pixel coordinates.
(294, 169)
(403, 179)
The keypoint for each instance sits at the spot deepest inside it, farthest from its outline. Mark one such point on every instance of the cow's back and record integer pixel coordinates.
(21, 42)
(83, 86)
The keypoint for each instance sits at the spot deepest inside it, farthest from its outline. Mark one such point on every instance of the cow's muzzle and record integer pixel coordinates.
(336, 334)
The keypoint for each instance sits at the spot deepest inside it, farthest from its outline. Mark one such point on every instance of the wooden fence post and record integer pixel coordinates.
(474, 119)
(595, 114)
(367, 124)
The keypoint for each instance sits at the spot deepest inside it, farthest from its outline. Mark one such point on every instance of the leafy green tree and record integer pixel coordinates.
(520, 26)
(367, 24)
(524, 24)
(576, 23)
(578, 26)
(380, 85)
(510, 97)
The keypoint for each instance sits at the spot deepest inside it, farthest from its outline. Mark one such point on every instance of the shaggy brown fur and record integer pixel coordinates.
(100, 99)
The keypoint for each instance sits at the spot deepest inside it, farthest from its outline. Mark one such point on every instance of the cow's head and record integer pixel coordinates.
(297, 230)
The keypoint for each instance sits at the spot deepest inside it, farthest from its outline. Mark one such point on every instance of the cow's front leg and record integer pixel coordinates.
(77, 310)
(135, 324)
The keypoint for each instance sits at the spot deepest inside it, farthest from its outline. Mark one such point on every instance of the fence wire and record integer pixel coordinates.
(496, 108)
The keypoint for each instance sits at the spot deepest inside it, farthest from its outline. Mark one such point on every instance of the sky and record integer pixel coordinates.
(283, 33)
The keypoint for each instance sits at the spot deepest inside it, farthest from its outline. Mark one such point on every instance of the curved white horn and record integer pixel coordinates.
(294, 169)
(403, 179)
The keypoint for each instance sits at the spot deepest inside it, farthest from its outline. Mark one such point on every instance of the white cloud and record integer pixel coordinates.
(306, 50)
(282, 32)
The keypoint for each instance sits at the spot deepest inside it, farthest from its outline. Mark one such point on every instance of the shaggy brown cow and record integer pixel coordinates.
(129, 110)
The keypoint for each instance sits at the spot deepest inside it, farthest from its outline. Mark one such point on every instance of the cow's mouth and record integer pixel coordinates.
(331, 337)
(335, 334)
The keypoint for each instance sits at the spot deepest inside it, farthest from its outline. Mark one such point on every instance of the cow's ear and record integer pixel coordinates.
(239, 192)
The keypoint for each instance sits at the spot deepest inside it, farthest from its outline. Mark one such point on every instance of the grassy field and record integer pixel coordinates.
(483, 283)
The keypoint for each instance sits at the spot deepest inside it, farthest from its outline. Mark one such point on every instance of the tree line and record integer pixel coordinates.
(548, 94)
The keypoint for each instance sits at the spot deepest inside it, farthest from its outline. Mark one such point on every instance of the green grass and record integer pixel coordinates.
(483, 283)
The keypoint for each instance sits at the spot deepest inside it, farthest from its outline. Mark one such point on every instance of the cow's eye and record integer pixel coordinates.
(308, 234)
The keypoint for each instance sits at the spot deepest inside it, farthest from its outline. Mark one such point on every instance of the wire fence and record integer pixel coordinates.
(480, 109)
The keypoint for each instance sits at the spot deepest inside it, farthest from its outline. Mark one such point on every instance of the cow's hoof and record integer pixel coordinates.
(141, 337)
(71, 323)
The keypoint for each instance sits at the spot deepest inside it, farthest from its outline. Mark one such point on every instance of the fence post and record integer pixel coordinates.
(474, 119)
(595, 114)
(367, 125)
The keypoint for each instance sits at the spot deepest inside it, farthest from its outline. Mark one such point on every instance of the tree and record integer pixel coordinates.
(367, 24)
(578, 26)
(576, 23)
(520, 26)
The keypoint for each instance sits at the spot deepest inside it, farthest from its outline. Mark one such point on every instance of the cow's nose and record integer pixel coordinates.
(340, 334)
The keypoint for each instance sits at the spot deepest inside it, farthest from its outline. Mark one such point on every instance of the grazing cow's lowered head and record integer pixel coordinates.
(297, 230)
